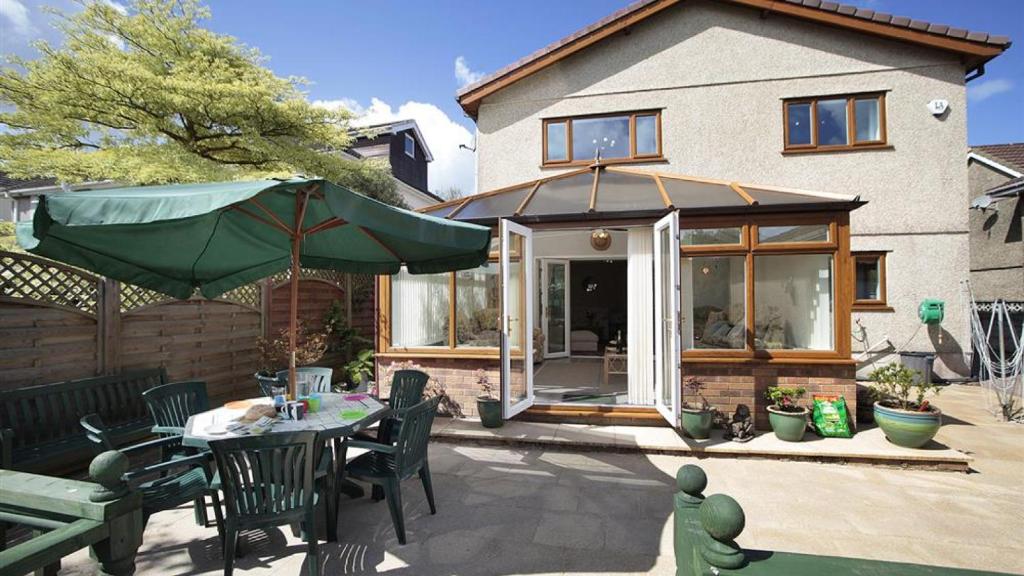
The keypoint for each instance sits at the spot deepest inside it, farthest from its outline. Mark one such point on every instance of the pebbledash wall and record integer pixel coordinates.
(719, 74)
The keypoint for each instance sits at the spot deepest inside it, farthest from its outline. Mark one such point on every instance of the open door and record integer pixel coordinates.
(666, 314)
(517, 287)
(554, 307)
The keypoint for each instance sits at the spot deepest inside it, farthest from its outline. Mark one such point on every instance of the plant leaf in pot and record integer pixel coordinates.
(788, 419)
(900, 408)
(488, 406)
(697, 417)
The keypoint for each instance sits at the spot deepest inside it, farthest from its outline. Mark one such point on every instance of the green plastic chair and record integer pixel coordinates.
(268, 481)
(387, 465)
(407, 388)
(171, 405)
(169, 489)
(321, 377)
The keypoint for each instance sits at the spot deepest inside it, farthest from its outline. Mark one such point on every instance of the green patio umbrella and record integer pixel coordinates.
(214, 237)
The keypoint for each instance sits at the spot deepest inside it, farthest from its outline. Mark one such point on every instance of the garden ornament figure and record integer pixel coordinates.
(741, 425)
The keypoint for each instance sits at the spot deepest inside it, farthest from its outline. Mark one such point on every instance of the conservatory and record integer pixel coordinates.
(608, 287)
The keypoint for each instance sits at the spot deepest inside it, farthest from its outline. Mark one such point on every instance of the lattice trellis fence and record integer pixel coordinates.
(48, 308)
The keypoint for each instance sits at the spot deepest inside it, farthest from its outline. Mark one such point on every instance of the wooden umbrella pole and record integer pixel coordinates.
(301, 199)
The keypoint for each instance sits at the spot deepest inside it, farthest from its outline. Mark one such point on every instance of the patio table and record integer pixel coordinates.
(339, 416)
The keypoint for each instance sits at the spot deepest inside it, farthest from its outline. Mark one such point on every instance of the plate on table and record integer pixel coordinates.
(355, 397)
(353, 414)
(238, 404)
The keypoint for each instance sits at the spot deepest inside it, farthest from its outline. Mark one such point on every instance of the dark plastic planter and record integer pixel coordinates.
(907, 428)
(697, 423)
(788, 426)
(490, 412)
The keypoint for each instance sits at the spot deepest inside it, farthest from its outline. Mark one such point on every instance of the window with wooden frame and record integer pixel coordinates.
(447, 313)
(766, 287)
(619, 137)
(410, 146)
(827, 123)
(869, 290)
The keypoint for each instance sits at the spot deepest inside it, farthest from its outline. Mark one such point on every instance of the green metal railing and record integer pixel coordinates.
(68, 515)
(706, 529)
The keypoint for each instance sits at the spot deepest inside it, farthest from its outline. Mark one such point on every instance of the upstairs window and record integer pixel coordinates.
(625, 137)
(410, 146)
(834, 123)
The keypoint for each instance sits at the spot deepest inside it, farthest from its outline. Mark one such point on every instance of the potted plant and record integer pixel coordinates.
(697, 417)
(487, 404)
(359, 370)
(788, 419)
(901, 411)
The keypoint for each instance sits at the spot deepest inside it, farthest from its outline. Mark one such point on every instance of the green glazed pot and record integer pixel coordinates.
(490, 412)
(697, 423)
(907, 428)
(788, 426)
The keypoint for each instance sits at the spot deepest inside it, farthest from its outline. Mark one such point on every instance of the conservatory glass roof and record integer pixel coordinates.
(616, 192)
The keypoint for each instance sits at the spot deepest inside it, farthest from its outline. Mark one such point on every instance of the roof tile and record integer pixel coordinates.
(1010, 155)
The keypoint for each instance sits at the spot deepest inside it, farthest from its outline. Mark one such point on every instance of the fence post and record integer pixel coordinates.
(266, 296)
(108, 322)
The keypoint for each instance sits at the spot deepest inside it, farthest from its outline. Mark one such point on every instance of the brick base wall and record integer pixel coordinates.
(456, 377)
(727, 384)
(732, 384)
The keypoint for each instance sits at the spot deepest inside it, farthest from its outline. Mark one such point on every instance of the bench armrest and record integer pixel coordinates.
(374, 446)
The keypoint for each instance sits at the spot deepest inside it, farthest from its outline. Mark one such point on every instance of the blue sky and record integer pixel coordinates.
(390, 58)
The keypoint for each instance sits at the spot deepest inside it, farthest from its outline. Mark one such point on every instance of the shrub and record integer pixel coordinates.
(894, 384)
(696, 387)
(785, 398)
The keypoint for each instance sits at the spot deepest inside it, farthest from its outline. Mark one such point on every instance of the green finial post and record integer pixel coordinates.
(691, 482)
(722, 519)
(108, 470)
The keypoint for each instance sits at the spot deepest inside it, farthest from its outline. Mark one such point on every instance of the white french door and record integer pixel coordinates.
(666, 314)
(517, 288)
(554, 307)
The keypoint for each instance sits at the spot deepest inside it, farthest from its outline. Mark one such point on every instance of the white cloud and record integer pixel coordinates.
(452, 166)
(15, 13)
(116, 6)
(463, 74)
(988, 88)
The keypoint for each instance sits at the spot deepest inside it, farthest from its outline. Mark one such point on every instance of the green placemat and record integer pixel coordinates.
(353, 414)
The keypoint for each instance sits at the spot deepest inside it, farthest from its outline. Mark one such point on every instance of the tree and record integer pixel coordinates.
(149, 96)
(450, 193)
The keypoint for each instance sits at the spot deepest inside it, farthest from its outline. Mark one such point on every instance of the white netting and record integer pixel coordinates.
(999, 345)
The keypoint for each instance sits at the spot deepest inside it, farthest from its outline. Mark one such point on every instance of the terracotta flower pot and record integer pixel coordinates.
(788, 426)
(908, 428)
(697, 423)
(490, 412)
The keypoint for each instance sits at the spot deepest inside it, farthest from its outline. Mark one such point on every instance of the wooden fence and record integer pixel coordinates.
(59, 323)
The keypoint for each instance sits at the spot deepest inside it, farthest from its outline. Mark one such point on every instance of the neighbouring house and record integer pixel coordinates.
(16, 200)
(402, 144)
(996, 176)
(744, 192)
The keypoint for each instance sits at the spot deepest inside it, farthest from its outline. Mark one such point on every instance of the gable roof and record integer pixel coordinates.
(361, 132)
(1006, 155)
(977, 47)
(9, 184)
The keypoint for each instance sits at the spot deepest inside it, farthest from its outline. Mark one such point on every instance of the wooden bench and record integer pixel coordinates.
(43, 420)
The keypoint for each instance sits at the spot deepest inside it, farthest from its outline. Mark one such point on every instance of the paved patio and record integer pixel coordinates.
(550, 511)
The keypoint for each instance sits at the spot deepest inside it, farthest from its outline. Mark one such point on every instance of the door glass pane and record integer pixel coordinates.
(665, 322)
(793, 302)
(802, 233)
(798, 129)
(516, 307)
(419, 309)
(710, 236)
(715, 313)
(609, 134)
(476, 307)
(555, 307)
(556, 137)
(646, 135)
(868, 129)
(867, 279)
(831, 116)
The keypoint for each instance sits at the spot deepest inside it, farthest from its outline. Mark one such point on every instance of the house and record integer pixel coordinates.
(16, 201)
(744, 192)
(402, 144)
(996, 176)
